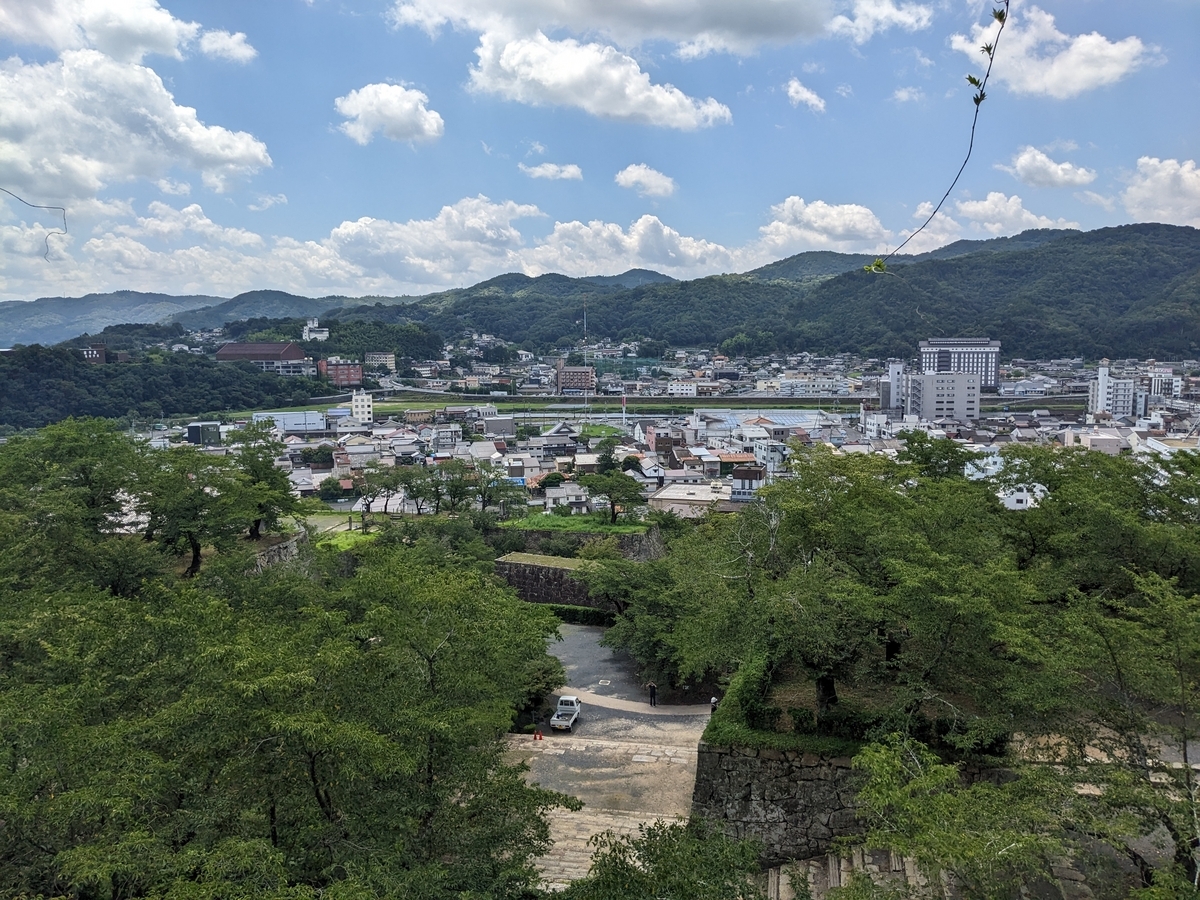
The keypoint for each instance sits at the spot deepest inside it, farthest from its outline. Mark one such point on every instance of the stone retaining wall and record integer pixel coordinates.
(281, 552)
(544, 582)
(795, 804)
(638, 547)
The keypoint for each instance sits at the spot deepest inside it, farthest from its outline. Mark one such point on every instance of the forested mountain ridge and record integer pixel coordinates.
(1128, 291)
(1132, 290)
(257, 305)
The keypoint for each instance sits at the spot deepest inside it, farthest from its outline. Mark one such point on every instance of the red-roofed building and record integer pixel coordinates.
(282, 358)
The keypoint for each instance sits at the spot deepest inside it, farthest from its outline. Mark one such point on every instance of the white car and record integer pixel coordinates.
(567, 713)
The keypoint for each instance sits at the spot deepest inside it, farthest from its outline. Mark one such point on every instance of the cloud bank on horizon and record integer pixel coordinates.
(427, 144)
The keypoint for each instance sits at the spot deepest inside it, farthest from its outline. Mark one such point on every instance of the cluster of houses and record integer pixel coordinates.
(712, 459)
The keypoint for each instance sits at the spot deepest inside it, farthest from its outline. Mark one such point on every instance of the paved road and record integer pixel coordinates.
(630, 763)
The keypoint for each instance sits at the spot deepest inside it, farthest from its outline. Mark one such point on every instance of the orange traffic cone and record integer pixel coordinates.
(537, 734)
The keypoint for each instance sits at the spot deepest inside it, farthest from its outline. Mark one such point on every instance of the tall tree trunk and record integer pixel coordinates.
(192, 569)
(256, 530)
(826, 694)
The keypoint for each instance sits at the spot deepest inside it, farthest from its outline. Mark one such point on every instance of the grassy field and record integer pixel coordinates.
(344, 540)
(585, 524)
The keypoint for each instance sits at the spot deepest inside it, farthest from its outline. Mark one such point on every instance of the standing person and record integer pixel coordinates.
(653, 693)
(712, 705)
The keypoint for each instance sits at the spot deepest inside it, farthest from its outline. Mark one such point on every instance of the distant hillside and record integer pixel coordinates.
(818, 263)
(813, 264)
(256, 305)
(54, 319)
(1128, 291)
(631, 279)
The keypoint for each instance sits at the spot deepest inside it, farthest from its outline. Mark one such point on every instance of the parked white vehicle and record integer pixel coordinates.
(567, 713)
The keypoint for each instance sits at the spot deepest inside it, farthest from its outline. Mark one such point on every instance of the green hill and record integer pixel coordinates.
(1127, 291)
(256, 305)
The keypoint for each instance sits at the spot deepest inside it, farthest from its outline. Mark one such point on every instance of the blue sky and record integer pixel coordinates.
(403, 146)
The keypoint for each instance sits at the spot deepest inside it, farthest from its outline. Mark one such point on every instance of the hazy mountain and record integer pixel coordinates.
(53, 319)
(256, 305)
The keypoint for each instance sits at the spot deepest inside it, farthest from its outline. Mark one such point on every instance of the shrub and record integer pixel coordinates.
(582, 615)
(560, 546)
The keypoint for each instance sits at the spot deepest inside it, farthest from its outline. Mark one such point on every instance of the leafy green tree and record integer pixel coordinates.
(376, 481)
(621, 491)
(986, 839)
(194, 500)
(458, 481)
(73, 487)
(287, 737)
(671, 862)
(266, 484)
(935, 457)
(552, 479)
(606, 460)
(493, 487)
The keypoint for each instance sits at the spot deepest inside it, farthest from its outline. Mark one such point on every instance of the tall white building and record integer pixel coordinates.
(891, 386)
(1115, 396)
(362, 407)
(314, 332)
(1163, 382)
(943, 395)
(975, 356)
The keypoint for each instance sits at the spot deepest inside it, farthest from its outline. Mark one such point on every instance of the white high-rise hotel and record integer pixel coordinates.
(974, 356)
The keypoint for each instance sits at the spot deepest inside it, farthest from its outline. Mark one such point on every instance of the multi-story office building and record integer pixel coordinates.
(342, 372)
(380, 360)
(975, 356)
(944, 395)
(576, 379)
(1115, 396)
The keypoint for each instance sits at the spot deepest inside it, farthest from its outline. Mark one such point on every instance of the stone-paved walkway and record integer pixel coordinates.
(630, 763)
(623, 783)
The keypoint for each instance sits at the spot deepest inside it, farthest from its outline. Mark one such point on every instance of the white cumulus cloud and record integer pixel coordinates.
(798, 94)
(1164, 190)
(697, 26)
(399, 113)
(868, 17)
(1000, 214)
(575, 248)
(553, 171)
(126, 30)
(472, 239)
(98, 122)
(1033, 167)
(646, 181)
(593, 77)
(165, 223)
(1034, 57)
(940, 231)
(223, 45)
(796, 226)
